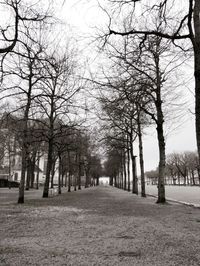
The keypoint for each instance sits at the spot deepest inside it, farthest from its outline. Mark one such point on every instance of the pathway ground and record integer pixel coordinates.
(99, 226)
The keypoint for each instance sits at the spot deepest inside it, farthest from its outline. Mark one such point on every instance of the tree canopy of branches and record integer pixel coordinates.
(21, 15)
(164, 19)
(139, 46)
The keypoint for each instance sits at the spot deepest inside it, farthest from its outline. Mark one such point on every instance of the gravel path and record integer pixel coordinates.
(99, 226)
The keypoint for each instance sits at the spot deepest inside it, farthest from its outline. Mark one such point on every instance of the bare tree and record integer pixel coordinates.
(22, 14)
(55, 100)
(176, 22)
(25, 70)
(183, 167)
(143, 72)
(120, 116)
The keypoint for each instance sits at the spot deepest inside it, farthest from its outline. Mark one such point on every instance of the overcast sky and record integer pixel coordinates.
(84, 16)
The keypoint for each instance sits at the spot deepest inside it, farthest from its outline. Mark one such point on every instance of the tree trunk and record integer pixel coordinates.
(134, 172)
(143, 194)
(38, 172)
(115, 178)
(28, 174)
(59, 175)
(25, 142)
(79, 171)
(79, 177)
(23, 174)
(69, 182)
(9, 165)
(97, 183)
(76, 175)
(135, 184)
(179, 181)
(121, 173)
(125, 172)
(75, 181)
(187, 178)
(32, 174)
(196, 45)
(128, 165)
(53, 171)
(161, 144)
(87, 177)
(62, 180)
(160, 132)
(193, 179)
(48, 170)
(184, 178)
(69, 174)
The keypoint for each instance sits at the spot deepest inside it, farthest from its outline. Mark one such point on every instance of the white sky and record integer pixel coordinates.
(84, 16)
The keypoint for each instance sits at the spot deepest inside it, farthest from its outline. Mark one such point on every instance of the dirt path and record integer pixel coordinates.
(99, 226)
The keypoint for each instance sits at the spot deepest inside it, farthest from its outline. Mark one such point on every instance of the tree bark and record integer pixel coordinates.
(24, 138)
(128, 165)
(69, 182)
(115, 181)
(62, 180)
(32, 174)
(135, 184)
(143, 194)
(122, 172)
(50, 146)
(134, 173)
(161, 144)
(193, 178)
(196, 45)
(75, 182)
(53, 171)
(59, 175)
(79, 171)
(48, 170)
(125, 172)
(38, 171)
(86, 179)
(76, 174)
(23, 173)
(70, 172)
(28, 174)
(160, 131)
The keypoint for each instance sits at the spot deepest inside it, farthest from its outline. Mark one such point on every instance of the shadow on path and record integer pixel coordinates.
(99, 226)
